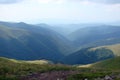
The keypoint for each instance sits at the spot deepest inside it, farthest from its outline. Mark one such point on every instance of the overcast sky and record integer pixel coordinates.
(60, 11)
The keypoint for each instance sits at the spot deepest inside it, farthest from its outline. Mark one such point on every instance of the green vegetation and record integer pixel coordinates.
(108, 65)
(89, 76)
(87, 56)
(99, 70)
(113, 64)
(12, 69)
(29, 42)
(96, 35)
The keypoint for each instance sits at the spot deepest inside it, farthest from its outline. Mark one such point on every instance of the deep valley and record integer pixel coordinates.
(39, 52)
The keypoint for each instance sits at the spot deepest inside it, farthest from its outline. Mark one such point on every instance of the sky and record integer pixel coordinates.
(60, 11)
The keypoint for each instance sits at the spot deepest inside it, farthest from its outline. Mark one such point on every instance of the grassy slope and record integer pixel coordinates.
(12, 66)
(113, 64)
(10, 37)
(110, 64)
(109, 67)
(11, 69)
(28, 62)
(115, 48)
(9, 32)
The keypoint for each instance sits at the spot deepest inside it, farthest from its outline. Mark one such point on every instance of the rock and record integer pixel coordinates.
(108, 78)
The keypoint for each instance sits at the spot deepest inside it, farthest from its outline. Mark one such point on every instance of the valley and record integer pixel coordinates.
(31, 42)
(39, 52)
(59, 39)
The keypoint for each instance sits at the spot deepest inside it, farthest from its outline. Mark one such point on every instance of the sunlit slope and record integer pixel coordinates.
(10, 61)
(112, 64)
(115, 48)
(108, 64)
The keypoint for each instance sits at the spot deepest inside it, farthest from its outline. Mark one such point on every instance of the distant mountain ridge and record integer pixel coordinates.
(87, 56)
(93, 54)
(87, 35)
(30, 42)
(25, 41)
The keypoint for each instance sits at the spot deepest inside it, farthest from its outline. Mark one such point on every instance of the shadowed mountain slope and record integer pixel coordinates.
(24, 41)
(97, 35)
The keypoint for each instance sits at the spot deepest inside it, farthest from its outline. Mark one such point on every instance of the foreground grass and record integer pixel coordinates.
(11, 69)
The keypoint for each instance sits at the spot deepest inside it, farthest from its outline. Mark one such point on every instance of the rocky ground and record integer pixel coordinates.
(53, 75)
(62, 75)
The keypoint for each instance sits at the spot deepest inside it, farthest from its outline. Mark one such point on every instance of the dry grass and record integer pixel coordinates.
(85, 66)
(115, 48)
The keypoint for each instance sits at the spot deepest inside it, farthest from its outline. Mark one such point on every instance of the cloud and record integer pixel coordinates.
(9, 1)
(50, 1)
(61, 1)
(103, 1)
(107, 1)
(44, 1)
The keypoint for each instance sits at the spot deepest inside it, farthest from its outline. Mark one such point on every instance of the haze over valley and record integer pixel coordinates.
(41, 42)
(59, 40)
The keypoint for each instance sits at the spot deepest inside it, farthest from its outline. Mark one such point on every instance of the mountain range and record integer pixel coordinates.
(82, 45)
(29, 42)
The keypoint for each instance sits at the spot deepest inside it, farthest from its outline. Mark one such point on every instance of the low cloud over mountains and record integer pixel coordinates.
(96, 1)
(9, 1)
